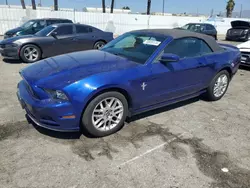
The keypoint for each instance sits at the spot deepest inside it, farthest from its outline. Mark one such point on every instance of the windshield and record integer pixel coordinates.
(194, 27)
(28, 24)
(134, 46)
(44, 32)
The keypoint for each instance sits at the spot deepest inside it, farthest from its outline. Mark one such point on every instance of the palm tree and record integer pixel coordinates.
(103, 6)
(112, 6)
(148, 7)
(23, 4)
(230, 8)
(33, 2)
(55, 5)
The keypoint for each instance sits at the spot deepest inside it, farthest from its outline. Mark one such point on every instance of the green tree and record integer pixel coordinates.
(230, 8)
(112, 6)
(148, 7)
(103, 6)
(55, 5)
(33, 2)
(23, 4)
(125, 8)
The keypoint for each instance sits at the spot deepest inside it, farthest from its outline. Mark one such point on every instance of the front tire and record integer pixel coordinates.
(218, 86)
(30, 53)
(99, 44)
(105, 114)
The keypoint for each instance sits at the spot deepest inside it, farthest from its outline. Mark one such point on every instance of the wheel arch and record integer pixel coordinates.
(32, 43)
(228, 69)
(124, 92)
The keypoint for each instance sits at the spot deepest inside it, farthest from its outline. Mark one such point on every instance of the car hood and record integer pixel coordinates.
(244, 47)
(240, 24)
(13, 39)
(59, 71)
(13, 31)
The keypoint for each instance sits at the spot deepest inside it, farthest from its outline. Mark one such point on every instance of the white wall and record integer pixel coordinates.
(116, 23)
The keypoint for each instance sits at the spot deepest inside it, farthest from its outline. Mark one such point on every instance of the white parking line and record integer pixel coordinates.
(149, 151)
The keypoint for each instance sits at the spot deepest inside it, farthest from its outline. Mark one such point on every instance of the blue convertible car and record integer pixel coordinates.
(138, 71)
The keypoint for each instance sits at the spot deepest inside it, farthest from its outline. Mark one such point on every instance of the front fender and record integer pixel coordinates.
(81, 92)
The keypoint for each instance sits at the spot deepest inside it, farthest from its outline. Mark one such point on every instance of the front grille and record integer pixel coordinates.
(245, 58)
(235, 32)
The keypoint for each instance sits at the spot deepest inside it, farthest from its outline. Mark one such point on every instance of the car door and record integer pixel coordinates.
(210, 30)
(172, 80)
(85, 37)
(65, 40)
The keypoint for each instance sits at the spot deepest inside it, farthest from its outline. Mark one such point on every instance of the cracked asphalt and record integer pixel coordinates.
(185, 145)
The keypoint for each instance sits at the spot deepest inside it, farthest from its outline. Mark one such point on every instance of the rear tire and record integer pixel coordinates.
(218, 86)
(30, 53)
(105, 114)
(99, 44)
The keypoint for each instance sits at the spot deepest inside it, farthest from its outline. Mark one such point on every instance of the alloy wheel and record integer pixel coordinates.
(99, 46)
(220, 85)
(31, 54)
(107, 114)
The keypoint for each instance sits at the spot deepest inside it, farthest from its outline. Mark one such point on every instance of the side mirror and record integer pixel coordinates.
(169, 58)
(54, 34)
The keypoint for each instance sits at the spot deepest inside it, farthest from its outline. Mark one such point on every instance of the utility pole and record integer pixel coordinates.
(240, 10)
(163, 7)
(6, 2)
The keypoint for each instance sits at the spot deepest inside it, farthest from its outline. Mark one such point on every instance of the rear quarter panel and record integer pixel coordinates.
(105, 36)
(229, 59)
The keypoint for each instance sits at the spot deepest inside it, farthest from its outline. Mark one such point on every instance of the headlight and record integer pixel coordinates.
(11, 45)
(57, 94)
(246, 31)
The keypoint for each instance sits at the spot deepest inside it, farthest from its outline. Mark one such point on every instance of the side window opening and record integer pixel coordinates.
(83, 29)
(188, 47)
(65, 30)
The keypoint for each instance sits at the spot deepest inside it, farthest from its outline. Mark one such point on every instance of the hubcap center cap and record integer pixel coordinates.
(108, 113)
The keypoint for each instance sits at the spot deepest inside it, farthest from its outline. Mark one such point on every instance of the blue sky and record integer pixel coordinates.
(173, 6)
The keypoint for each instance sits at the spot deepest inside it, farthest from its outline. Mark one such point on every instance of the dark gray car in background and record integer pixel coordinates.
(54, 40)
(203, 28)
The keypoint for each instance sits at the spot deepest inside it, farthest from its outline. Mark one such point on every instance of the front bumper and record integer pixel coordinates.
(237, 37)
(245, 58)
(10, 53)
(46, 113)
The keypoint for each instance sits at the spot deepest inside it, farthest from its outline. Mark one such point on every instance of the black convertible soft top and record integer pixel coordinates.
(179, 33)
